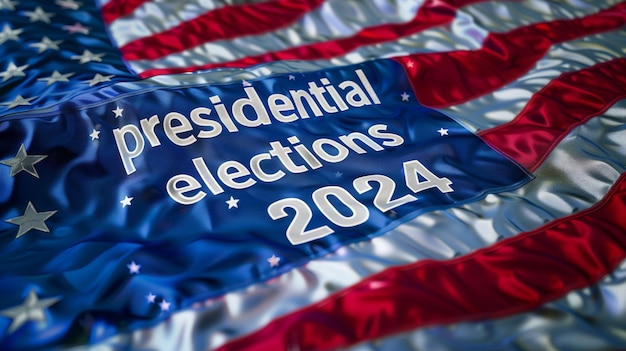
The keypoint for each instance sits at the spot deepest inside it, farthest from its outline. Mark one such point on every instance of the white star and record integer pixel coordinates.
(273, 261)
(133, 268)
(76, 28)
(18, 101)
(126, 201)
(23, 162)
(150, 297)
(118, 111)
(32, 309)
(95, 134)
(39, 15)
(8, 4)
(165, 306)
(69, 4)
(292, 77)
(88, 56)
(442, 131)
(13, 71)
(31, 219)
(232, 202)
(246, 83)
(405, 96)
(9, 34)
(99, 78)
(409, 64)
(56, 77)
(46, 44)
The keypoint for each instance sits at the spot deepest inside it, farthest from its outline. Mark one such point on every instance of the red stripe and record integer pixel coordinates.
(115, 9)
(512, 276)
(220, 24)
(432, 13)
(558, 108)
(460, 76)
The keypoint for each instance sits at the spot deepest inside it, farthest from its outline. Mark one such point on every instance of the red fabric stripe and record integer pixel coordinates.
(545, 120)
(460, 76)
(115, 9)
(515, 275)
(221, 24)
(432, 13)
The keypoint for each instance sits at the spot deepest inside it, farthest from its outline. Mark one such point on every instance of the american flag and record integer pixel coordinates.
(539, 267)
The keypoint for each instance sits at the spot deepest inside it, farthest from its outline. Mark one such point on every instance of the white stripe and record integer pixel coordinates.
(160, 15)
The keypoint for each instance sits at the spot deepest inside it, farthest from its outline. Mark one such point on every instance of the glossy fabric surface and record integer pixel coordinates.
(540, 81)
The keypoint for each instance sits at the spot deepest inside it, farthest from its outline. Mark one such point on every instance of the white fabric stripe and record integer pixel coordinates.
(334, 19)
(465, 33)
(160, 15)
(505, 18)
(598, 148)
(588, 319)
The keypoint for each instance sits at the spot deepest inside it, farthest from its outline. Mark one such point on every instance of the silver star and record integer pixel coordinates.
(46, 44)
(76, 28)
(9, 34)
(150, 297)
(8, 4)
(99, 78)
(31, 220)
(13, 71)
(68, 4)
(57, 77)
(133, 268)
(126, 201)
(232, 202)
(118, 111)
(32, 309)
(23, 162)
(273, 261)
(292, 77)
(18, 101)
(405, 96)
(165, 306)
(88, 56)
(442, 131)
(39, 15)
(95, 134)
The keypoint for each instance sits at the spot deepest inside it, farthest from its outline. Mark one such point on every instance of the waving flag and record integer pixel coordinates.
(278, 175)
